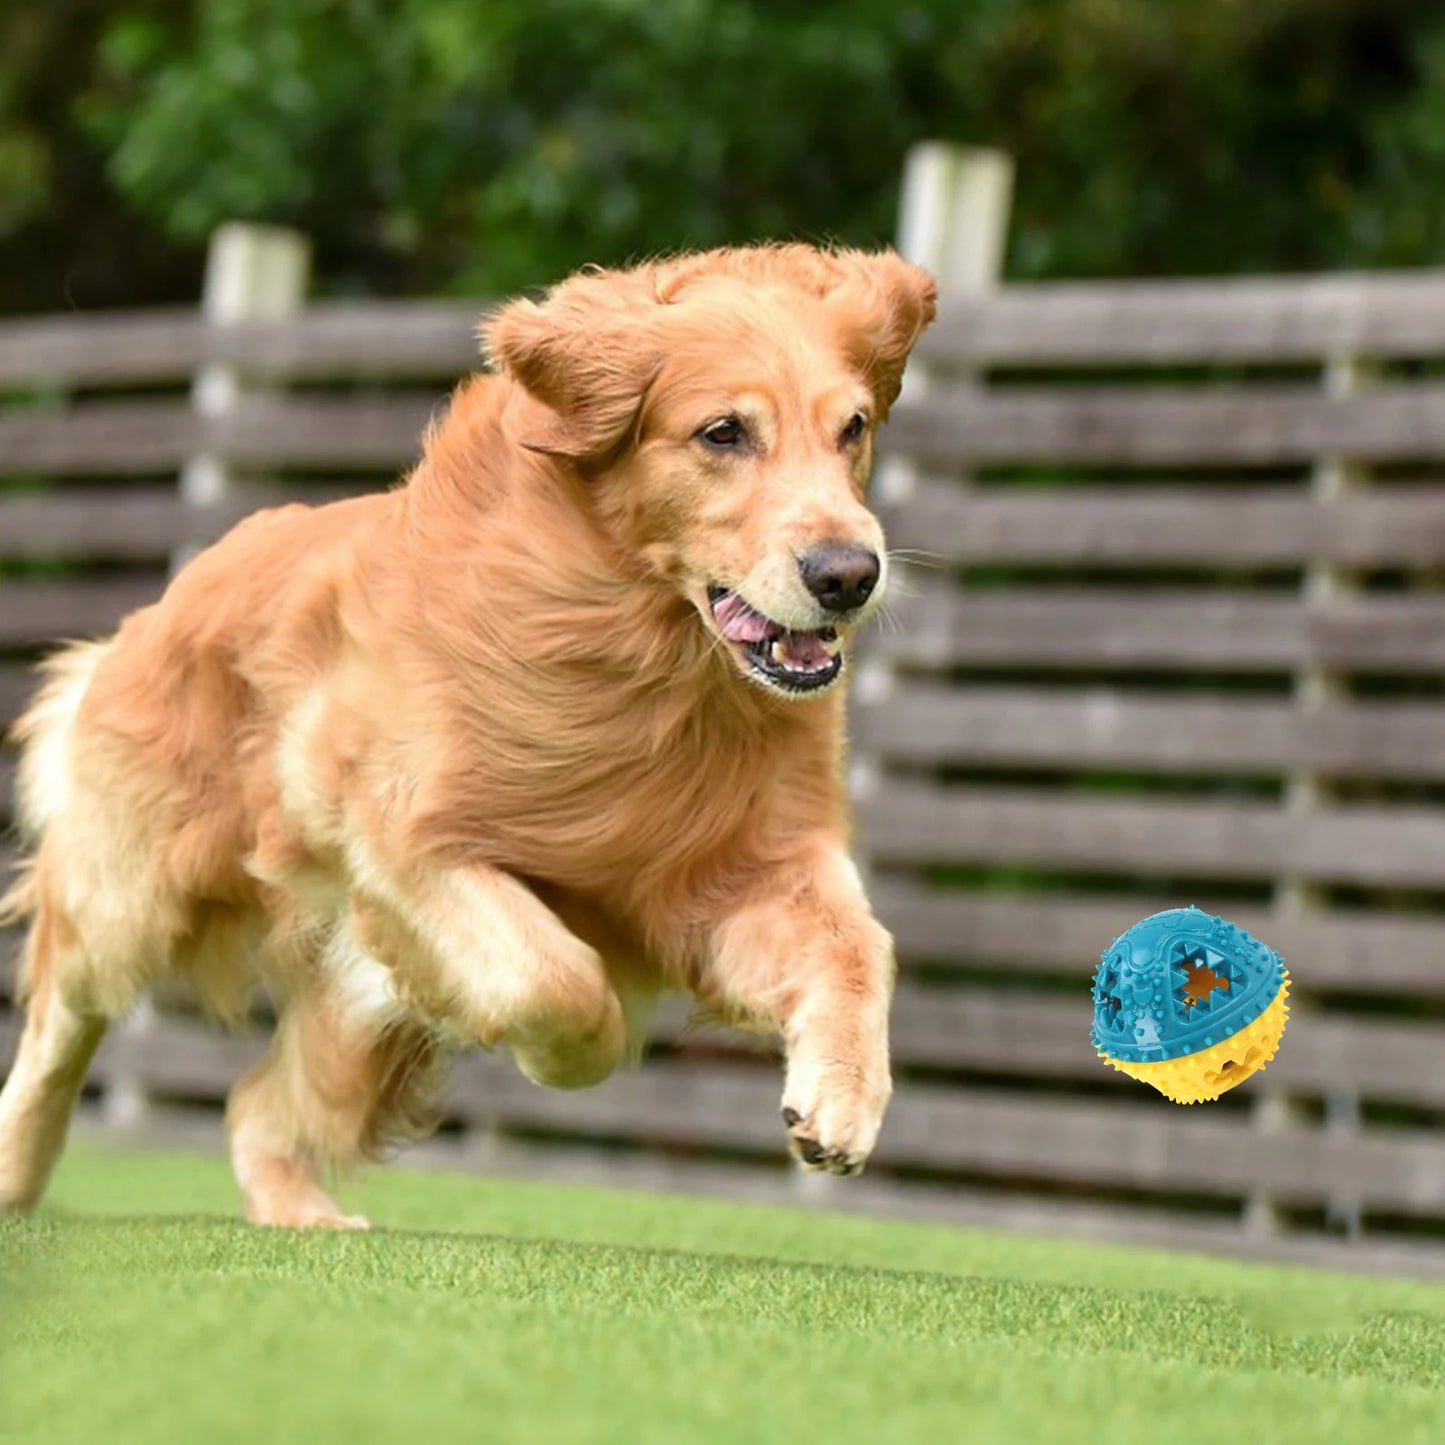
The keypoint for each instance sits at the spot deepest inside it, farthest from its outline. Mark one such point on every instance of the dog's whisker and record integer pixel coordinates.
(911, 558)
(716, 644)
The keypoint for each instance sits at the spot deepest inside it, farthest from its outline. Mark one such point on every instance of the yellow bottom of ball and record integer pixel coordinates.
(1199, 1077)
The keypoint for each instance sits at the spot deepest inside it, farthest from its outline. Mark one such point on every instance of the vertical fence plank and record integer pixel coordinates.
(253, 273)
(953, 220)
(1332, 478)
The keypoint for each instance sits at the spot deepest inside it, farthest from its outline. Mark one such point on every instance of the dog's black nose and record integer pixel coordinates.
(841, 577)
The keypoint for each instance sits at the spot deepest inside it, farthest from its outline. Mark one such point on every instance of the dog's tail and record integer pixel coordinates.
(43, 736)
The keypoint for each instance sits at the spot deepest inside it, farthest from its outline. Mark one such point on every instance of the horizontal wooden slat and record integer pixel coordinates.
(1013, 1032)
(1157, 525)
(1138, 426)
(1144, 1145)
(382, 431)
(119, 346)
(47, 611)
(1169, 836)
(1265, 319)
(1173, 630)
(123, 438)
(991, 1132)
(135, 524)
(326, 341)
(1141, 1145)
(1289, 319)
(132, 524)
(358, 340)
(979, 1030)
(1059, 932)
(139, 438)
(1255, 319)
(1146, 1148)
(1074, 526)
(1044, 1035)
(921, 722)
(1141, 1226)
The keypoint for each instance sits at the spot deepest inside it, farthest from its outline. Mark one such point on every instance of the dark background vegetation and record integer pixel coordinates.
(480, 145)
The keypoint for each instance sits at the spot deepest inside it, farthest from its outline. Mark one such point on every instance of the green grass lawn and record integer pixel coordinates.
(136, 1309)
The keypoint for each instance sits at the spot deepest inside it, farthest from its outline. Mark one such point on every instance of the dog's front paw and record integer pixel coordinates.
(833, 1117)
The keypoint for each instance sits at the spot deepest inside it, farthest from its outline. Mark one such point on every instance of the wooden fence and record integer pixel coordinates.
(1170, 629)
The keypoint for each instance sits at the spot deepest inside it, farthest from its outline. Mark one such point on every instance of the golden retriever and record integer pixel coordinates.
(500, 755)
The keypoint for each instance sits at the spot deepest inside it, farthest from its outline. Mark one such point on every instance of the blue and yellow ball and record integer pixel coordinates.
(1190, 1004)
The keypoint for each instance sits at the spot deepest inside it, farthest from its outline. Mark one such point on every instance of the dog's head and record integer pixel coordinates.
(722, 407)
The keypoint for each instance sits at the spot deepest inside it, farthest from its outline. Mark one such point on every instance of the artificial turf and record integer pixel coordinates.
(136, 1309)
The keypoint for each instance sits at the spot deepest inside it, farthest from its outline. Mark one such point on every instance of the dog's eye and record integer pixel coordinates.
(856, 426)
(725, 434)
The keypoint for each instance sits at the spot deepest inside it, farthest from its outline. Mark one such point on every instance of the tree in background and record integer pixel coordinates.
(66, 236)
(483, 145)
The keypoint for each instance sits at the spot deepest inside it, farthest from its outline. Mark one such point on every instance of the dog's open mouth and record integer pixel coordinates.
(785, 659)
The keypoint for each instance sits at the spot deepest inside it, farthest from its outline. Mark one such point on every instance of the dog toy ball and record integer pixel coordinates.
(1189, 1003)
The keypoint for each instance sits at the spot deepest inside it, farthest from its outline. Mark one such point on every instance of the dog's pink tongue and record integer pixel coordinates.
(739, 623)
(803, 650)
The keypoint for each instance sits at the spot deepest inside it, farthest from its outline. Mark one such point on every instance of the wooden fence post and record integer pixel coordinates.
(1316, 688)
(953, 219)
(253, 273)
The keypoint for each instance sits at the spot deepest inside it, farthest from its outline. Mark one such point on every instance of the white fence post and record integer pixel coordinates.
(1316, 688)
(954, 214)
(953, 220)
(253, 273)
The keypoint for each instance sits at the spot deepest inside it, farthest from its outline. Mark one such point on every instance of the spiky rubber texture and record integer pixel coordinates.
(1200, 1077)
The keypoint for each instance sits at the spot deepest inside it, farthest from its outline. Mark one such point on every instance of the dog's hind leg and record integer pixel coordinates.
(57, 1044)
(347, 1071)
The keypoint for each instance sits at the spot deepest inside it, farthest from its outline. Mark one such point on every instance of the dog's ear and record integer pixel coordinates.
(889, 302)
(587, 354)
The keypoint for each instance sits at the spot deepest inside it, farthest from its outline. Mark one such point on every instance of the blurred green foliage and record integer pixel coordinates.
(481, 145)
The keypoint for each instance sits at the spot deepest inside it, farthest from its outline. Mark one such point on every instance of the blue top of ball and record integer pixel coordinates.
(1178, 982)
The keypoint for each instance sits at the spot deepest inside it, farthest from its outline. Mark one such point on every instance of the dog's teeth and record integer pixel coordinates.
(775, 652)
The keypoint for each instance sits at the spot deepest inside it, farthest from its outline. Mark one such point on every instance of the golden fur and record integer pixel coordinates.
(470, 761)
